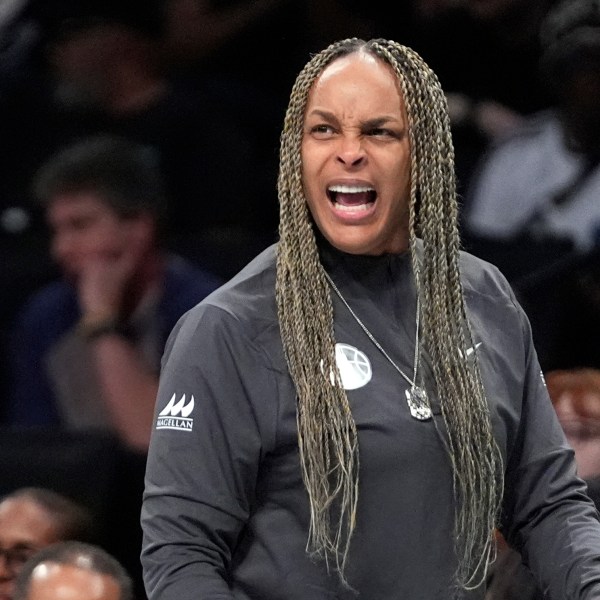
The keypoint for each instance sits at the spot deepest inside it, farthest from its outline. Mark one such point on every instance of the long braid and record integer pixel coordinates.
(476, 459)
(326, 429)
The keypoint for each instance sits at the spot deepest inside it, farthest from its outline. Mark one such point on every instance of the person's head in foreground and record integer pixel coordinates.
(73, 571)
(30, 519)
(367, 163)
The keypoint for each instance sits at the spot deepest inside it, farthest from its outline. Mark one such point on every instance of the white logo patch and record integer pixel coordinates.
(176, 415)
(353, 365)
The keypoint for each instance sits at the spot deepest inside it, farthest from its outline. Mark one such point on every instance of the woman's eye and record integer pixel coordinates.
(322, 129)
(381, 132)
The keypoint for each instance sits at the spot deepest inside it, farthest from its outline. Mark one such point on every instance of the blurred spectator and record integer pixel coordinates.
(485, 53)
(100, 67)
(45, 109)
(575, 394)
(74, 68)
(543, 179)
(532, 207)
(73, 570)
(31, 519)
(86, 348)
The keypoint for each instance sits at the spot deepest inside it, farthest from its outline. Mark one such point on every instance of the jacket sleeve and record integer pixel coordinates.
(204, 457)
(547, 514)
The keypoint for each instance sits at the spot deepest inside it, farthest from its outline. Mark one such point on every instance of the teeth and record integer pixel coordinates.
(348, 189)
(352, 208)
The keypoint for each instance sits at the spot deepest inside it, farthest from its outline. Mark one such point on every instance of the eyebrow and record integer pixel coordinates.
(369, 123)
(324, 114)
(380, 121)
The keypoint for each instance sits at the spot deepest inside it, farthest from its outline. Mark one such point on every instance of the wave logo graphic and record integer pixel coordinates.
(176, 414)
(353, 365)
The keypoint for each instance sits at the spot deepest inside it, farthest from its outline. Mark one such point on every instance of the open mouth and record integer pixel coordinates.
(352, 199)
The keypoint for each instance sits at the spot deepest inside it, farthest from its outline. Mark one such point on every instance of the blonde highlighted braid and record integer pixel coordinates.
(327, 433)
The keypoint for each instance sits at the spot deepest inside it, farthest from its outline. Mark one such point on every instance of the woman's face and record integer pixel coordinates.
(356, 156)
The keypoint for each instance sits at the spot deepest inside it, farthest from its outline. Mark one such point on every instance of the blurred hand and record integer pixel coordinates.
(491, 118)
(104, 280)
(495, 119)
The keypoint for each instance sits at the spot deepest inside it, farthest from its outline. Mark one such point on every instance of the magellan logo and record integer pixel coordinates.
(176, 415)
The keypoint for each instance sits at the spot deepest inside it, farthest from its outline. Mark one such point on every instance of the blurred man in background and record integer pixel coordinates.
(86, 348)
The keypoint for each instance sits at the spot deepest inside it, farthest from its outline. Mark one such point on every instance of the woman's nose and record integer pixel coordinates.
(351, 152)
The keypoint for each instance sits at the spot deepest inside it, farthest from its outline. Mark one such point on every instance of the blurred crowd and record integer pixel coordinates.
(138, 172)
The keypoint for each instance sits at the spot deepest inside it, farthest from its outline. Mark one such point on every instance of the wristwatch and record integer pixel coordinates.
(93, 327)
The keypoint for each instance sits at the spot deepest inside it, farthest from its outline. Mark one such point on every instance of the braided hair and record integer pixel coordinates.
(327, 435)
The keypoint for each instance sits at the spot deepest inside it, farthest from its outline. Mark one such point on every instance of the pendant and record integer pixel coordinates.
(418, 403)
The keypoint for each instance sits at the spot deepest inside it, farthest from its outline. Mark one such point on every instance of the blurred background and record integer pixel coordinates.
(204, 85)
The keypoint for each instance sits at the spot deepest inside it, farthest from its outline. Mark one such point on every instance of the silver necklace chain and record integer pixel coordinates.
(416, 396)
